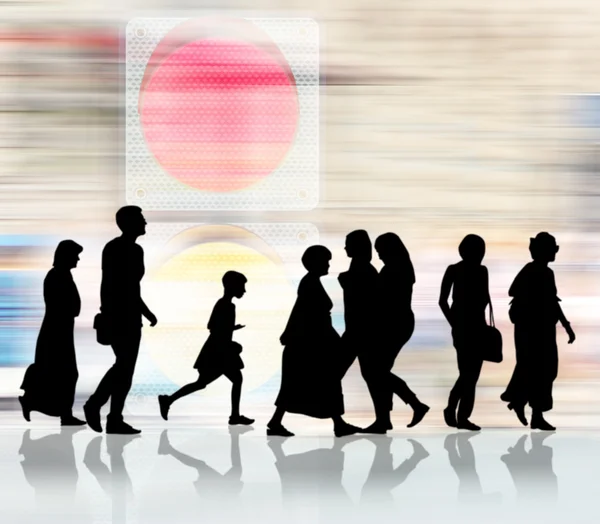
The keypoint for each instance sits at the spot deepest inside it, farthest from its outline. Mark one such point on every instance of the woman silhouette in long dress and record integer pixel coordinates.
(535, 311)
(469, 282)
(50, 382)
(311, 375)
(396, 324)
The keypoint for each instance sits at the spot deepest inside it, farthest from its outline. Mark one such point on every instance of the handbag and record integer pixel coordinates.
(492, 341)
(102, 330)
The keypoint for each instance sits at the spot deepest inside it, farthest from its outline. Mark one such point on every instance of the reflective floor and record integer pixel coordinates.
(185, 474)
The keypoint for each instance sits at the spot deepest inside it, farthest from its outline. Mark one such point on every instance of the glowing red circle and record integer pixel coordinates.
(219, 115)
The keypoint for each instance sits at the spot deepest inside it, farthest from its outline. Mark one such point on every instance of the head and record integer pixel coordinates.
(316, 260)
(131, 221)
(472, 249)
(358, 245)
(543, 248)
(393, 252)
(66, 255)
(234, 284)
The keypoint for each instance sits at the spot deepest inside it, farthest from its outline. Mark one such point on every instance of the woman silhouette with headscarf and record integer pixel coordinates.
(311, 381)
(535, 311)
(50, 382)
(469, 282)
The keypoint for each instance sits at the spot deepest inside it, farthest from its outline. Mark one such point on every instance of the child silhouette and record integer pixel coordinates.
(220, 355)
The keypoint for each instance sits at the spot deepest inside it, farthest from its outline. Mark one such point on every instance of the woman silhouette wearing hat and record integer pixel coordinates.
(535, 311)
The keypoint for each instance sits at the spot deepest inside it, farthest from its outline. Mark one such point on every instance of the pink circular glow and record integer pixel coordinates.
(219, 114)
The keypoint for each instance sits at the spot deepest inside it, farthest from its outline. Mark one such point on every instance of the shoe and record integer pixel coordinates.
(240, 420)
(520, 412)
(377, 428)
(25, 409)
(92, 452)
(164, 444)
(278, 431)
(468, 425)
(418, 415)
(419, 452)
(541, 424)
(450, 418)
(164, 405)
(120, 428)
(71, 421)
(345, 430)
(92, 417)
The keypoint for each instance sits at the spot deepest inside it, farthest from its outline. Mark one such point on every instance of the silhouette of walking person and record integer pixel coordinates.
(50, 469)
(395, 326)
(359, 285)
(535, 310)
(122, 308)
(383, 477)
(311, 381)
(220, 355)
(469, 282)
(50, 382)
(217, 490)
(532, 472)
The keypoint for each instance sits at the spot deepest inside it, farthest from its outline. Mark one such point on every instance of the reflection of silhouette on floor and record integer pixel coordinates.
(313, 481)
(469, 282)
(462, 459)
(220, 355)
(532, 471)
(115, 481)
(311, 382)
(50, 382)
(122, 309)
(50, 469)
(383, 477)
(535, 310)
(217, 490)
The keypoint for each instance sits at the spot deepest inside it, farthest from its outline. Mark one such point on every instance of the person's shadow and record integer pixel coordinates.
(50, 469)
(115, 482)
(311, 481)
(532, 471)
(217, 490)
(462, 459)
(383, 477)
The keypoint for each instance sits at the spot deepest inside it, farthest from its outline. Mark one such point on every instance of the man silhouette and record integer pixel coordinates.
(122, 308)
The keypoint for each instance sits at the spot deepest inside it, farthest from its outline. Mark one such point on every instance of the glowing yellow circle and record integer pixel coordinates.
(183, 292)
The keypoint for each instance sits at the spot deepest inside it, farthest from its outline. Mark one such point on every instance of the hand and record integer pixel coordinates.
(239, 326)
(571, 333)
(283, 340)
(152, 318)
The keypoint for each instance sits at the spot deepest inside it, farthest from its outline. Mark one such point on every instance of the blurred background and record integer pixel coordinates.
(438, 118)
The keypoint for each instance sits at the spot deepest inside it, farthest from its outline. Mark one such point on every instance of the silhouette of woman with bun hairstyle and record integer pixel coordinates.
(311, 378)
(50, 382)
(469, 282)
(535, 311)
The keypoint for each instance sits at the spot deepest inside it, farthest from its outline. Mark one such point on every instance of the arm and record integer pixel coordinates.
(148, 314)
(565, 323)
(447, 283)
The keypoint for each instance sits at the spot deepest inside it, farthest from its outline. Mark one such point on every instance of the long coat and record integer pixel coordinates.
(50, 382)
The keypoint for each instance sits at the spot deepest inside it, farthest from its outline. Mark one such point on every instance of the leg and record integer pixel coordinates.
(165, 401)
(236, 378)
(67, 418)
(275, 426)
(470, 369)
(127, 350)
